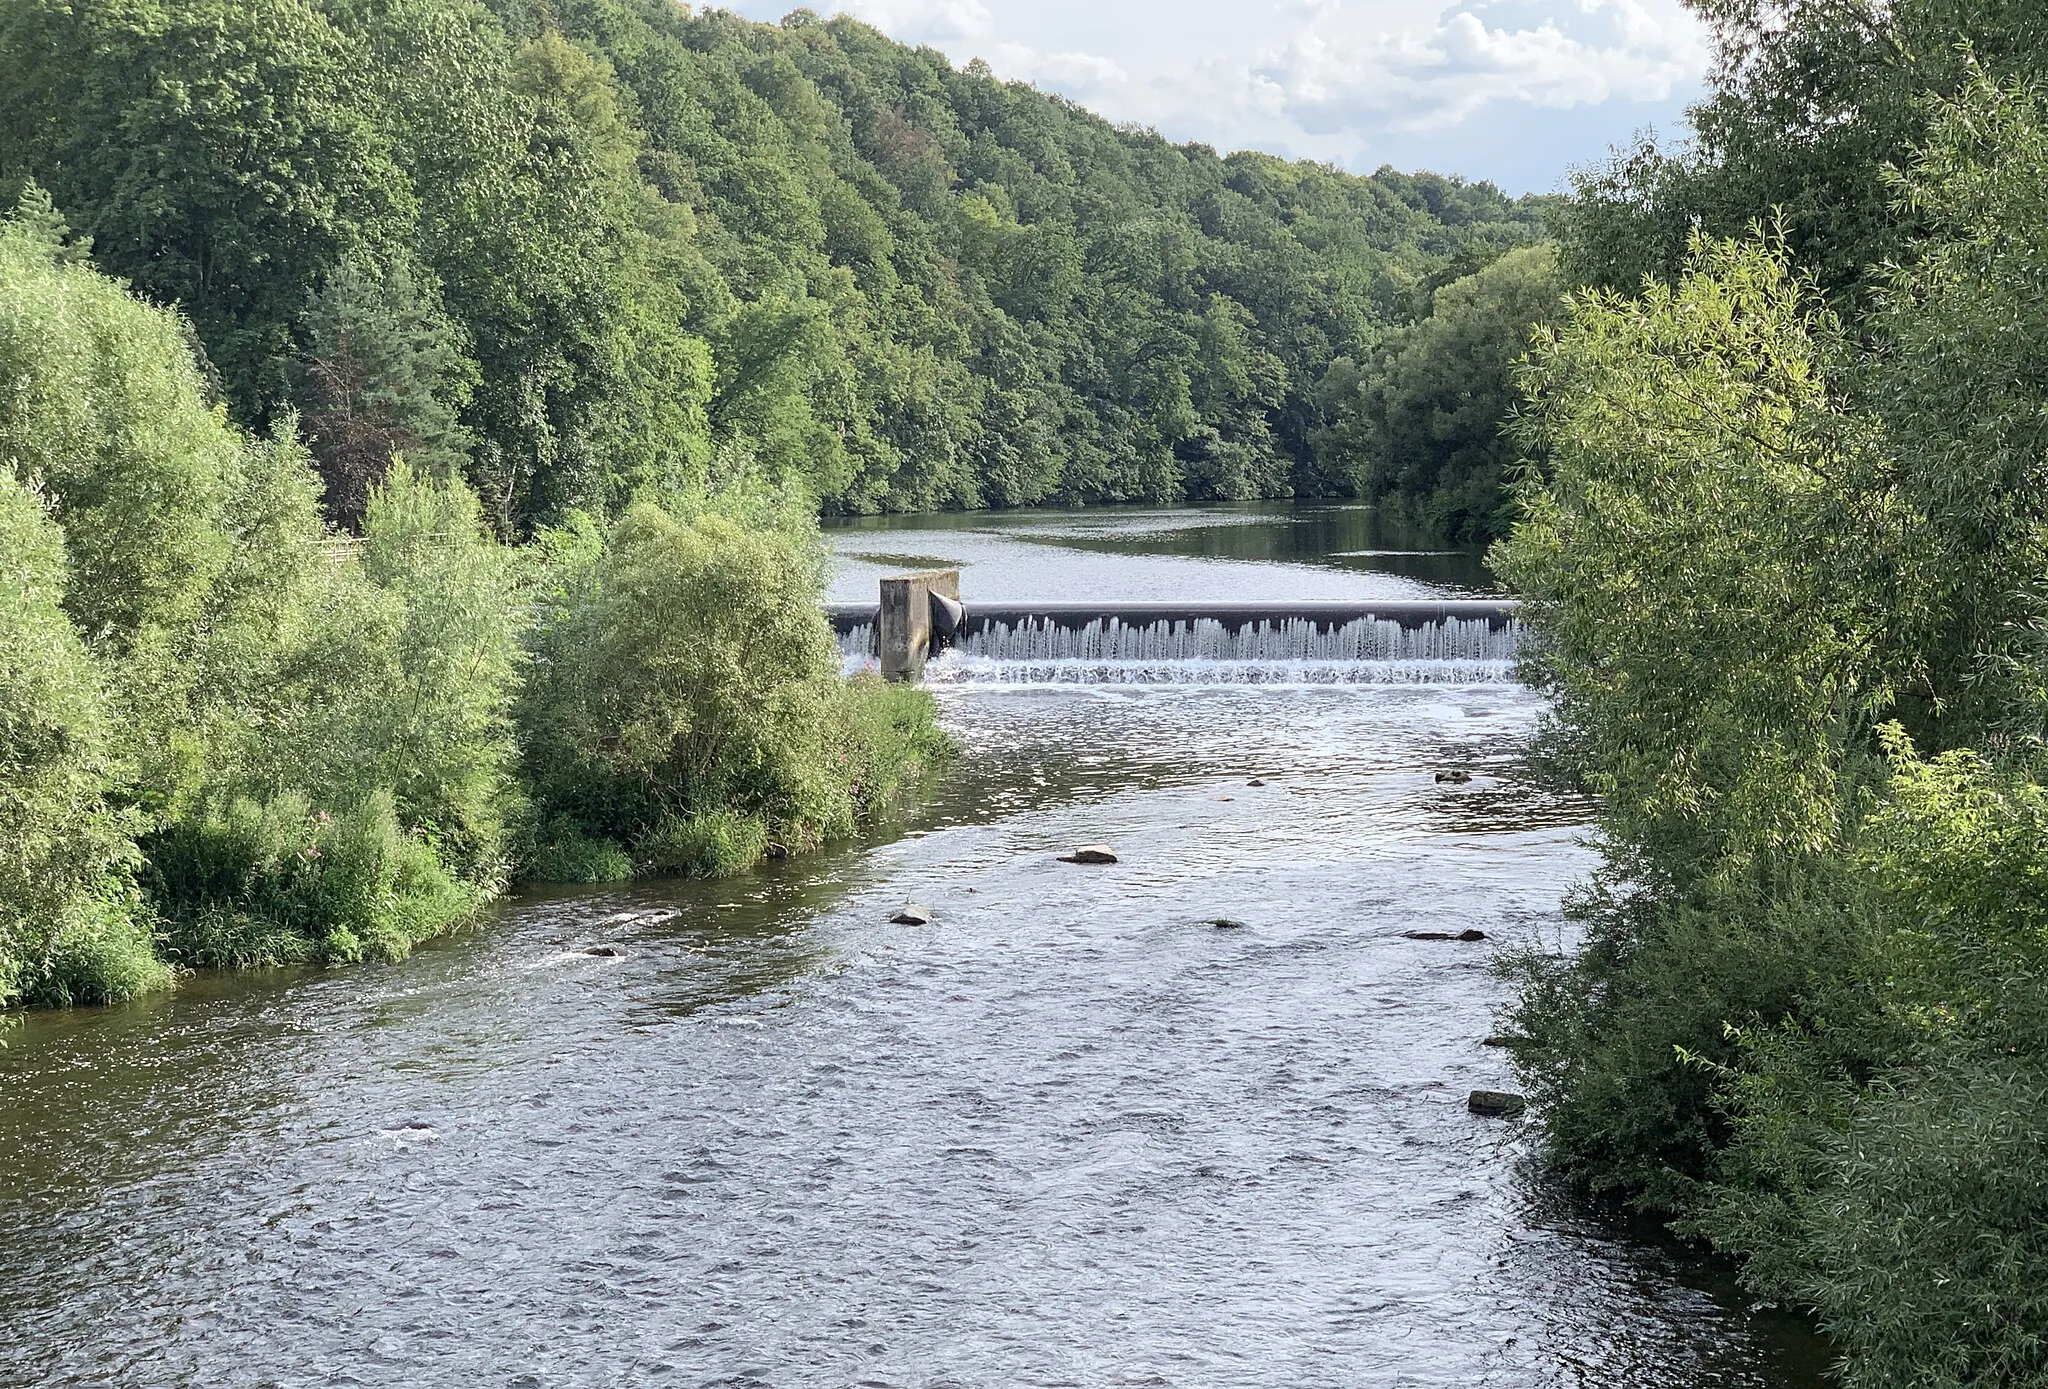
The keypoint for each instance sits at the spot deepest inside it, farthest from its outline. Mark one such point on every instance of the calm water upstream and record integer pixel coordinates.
(1070, 1134)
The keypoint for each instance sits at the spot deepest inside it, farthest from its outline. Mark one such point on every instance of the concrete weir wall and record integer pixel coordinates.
(903, 622)
(849, 617)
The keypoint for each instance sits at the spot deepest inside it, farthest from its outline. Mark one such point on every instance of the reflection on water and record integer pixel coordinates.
(1268, 549)
(1071, 1134)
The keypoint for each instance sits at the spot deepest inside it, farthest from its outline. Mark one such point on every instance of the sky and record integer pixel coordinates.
(1516, 91)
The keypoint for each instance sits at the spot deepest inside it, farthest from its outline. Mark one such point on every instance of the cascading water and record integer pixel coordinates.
(1285, 651)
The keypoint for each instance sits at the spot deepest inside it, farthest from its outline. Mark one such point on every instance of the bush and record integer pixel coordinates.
(235, 740)
(105, 410)
(686, 696)
(277, 882)
(406, 676)
(1774, 560)
(1883, 1142)
(708, 844)
(569, 857)
(68, 928)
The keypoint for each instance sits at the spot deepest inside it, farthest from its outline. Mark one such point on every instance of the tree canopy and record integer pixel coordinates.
(582, 249)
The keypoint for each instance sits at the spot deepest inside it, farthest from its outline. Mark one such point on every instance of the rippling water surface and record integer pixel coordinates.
(1072, 1133)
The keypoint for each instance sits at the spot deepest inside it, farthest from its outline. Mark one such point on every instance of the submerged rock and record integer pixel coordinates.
(1496, 1104)
(1468, 937)
(1224, 923)
(1093, 853)
(1453, 778)
(603, 952)
(1501, 1040)
(1255, 782)
(912, 915)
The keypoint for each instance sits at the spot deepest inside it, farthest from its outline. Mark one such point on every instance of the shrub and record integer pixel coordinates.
(277, 882)
(425, 672)
(1811, 1014)
(708, 844)
(104, 409)
(686, 696)
(68, 928)
(569, 857)
(1882, 1162)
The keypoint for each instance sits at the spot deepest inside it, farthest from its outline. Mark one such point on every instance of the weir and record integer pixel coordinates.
(1399, 642)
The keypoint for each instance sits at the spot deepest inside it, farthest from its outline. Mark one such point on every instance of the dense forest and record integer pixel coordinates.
(573, 249)
(1789, 570)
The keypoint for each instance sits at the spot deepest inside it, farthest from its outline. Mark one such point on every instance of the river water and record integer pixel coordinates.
(1071, 1133)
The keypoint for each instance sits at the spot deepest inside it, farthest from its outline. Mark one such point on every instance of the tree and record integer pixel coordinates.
(1812, 101)
(384, 375)
(68, 927)
(221, 155)
(1422, 423)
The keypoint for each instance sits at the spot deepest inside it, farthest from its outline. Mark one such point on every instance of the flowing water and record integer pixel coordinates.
(1071, 1133)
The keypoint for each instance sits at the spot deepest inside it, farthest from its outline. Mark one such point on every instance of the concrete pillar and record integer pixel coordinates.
(904, 637)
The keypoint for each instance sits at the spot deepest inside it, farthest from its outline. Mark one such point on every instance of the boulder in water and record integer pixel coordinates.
(1255, 781)
(1468, 937)
(1093, 853)
(1503, 1040)
(1496, 1104)
(1224, 923)
(912, 915)
(1453, 778)
(603, 952)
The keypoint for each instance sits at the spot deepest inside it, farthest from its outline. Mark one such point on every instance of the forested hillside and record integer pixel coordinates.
(576, 248)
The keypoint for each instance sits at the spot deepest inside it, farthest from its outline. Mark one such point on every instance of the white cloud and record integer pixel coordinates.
(938, 22)
(1333, 74)
(1074, 73)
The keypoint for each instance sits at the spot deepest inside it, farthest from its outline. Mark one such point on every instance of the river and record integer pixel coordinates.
(1071, 1133)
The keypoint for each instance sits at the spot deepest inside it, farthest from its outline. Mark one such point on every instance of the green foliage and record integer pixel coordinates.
(384, 376)
(568, 857)
(103, 411)
(219, 152)
(1713, 561)
(604, 247)
(707, 844)
(1774, 559)
(233, 738)
(1882, 1163)
(1422, 422)
(277, 882)
(68, 930)
(1812, 102)
(686, 699)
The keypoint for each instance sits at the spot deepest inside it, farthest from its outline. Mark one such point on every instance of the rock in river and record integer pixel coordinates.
(1468, 937)
(1224, 923)
(603, 952)
(1496, 1104)
(1094, 853)
(913, 915)
(1453, 778)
